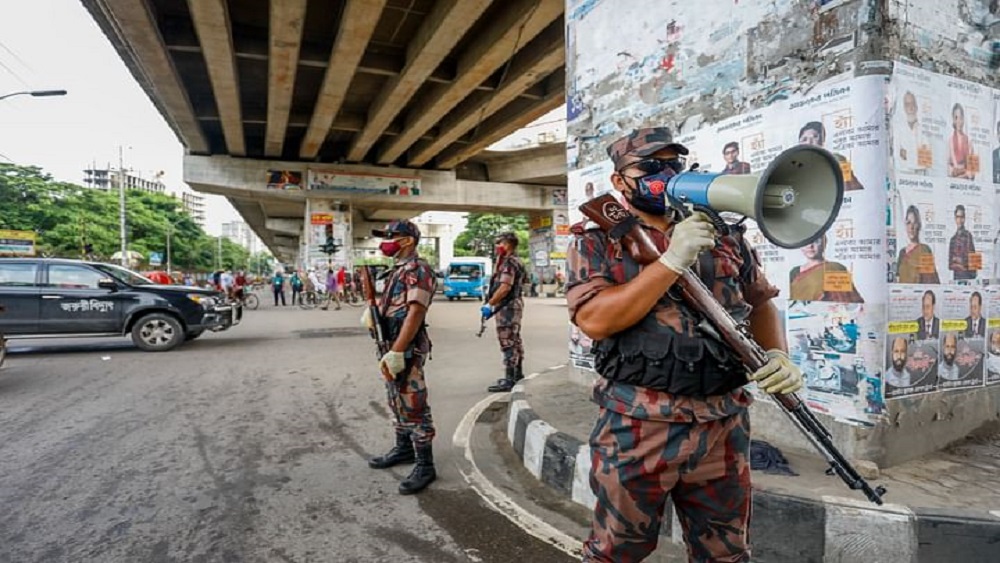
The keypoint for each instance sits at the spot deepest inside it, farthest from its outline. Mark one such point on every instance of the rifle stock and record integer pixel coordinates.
(622, 226)
(377, 329)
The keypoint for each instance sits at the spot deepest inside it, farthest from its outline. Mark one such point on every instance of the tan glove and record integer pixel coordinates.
(778, 375)
(392, 362)
(366, 319)
(690, 237)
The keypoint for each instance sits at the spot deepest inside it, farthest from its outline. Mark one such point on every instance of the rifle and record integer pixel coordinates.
(489, 293)
(623, 227)
(377, 331)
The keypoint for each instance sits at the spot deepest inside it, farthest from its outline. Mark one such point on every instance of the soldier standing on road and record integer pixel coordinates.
(673, 419)
(403, 306)
(505, 302)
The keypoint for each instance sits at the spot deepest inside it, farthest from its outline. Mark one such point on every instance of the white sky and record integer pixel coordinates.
(55, 44)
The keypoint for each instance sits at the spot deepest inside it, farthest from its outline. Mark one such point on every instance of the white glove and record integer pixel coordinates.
(690, 237)
(366, 319)
(393, 362)
(778, 375)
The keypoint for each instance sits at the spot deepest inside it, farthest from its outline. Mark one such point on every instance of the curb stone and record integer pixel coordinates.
(834, 529)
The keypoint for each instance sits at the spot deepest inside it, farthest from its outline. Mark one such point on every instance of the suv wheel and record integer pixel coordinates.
(157, 332)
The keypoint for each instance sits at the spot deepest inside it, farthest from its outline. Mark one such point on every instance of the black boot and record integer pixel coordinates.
(506, 384)
(518, 373)
(401, 453)
(423, 473)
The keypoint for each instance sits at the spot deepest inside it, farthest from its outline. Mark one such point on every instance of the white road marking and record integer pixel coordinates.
(499, 501)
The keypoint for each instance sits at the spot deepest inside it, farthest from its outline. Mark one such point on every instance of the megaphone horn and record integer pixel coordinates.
(793, 202)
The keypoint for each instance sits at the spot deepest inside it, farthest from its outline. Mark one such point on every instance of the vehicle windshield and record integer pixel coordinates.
(121, 274)
(465, 271)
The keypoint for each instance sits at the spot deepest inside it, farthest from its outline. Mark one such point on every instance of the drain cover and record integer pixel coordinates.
(331, 332)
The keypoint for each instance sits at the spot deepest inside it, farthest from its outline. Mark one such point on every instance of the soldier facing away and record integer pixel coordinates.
(673, 415)
(504, 301)
(403, 307)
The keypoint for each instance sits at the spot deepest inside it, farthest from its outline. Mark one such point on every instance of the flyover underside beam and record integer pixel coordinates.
(285, 31)
(245, 179)
(519, 23)
(356, 27)
(212, 25)
(438, 34)
(541, 164)
(515, 115)
(133, 32)
(538, 59)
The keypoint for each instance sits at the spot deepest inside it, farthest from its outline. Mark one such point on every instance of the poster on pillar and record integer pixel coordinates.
(363, 183)
(913, 343)
(585, 184)
(837, 347)
(943, 200)
(335, 227)
(284, 179)
(992, 336)
(960, 364)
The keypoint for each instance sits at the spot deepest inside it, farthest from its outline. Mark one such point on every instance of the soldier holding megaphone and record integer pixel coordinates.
(673, 419)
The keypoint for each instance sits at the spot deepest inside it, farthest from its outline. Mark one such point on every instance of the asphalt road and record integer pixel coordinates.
(249, 445)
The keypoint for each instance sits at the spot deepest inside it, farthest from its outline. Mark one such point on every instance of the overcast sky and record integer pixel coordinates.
(55, 44)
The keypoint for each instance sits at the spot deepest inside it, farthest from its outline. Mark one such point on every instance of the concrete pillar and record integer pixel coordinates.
(325, 216)
(739, 83)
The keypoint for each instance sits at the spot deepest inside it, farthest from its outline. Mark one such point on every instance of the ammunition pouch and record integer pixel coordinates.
(656, 357)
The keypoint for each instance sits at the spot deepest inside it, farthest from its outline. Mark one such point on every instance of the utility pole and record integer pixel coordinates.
(218, 253)
(170, 230)
(121, 206)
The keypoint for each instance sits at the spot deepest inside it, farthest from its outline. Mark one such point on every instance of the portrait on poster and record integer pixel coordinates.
(992, 335)
(960, 363)
(917, 237)
(913, 341)
(585, 184)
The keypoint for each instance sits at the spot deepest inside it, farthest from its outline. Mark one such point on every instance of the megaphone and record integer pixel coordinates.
(794, 201)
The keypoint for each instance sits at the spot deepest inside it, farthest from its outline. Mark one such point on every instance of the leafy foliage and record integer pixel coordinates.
(76, 222)
(481, 231)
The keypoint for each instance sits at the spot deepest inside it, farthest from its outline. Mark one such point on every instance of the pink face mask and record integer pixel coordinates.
(389, 248)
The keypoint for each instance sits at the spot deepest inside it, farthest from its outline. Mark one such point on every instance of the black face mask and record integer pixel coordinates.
(649, 193)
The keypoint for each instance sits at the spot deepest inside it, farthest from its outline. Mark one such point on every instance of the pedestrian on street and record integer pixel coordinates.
(673, 418)
(504, 301)
(341, 281)
(332, 290)
(296, 283)
(278, 285)
(403, 306)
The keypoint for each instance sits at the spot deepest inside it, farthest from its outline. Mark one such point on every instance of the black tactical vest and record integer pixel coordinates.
(661, 358)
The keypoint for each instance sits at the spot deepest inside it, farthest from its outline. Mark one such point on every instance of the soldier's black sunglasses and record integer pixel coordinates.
(651, 166)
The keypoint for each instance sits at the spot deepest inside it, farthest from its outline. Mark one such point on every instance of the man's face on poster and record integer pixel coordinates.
(927, 306)
(950, 348)
(898, 354)
(960, 218)
(975, 306)
(995, 343)
(731, 154)
(910, 107)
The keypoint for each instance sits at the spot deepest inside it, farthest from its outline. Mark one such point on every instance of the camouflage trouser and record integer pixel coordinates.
(508, 322)
(408, 402)
(703, 467)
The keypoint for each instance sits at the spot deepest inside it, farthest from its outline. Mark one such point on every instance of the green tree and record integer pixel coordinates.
(481, 231)
(73, 222)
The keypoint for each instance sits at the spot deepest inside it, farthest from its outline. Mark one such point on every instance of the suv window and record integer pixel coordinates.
(18, 275)
(65, 276)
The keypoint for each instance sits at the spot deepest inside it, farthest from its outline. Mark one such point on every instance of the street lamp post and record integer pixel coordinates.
(121, 207)
(35, 93)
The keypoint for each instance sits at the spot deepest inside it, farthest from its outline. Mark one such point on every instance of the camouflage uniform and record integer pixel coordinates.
(411, 281)
(648, 445)
(508, 318)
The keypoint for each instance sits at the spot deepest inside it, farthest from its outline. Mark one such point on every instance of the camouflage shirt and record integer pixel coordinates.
(511, 272)
(594, 263)
(410, 281)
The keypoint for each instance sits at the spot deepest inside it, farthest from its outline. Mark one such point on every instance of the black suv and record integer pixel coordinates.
(54, 297)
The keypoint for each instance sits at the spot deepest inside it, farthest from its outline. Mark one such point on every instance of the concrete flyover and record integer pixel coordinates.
(413, 88)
